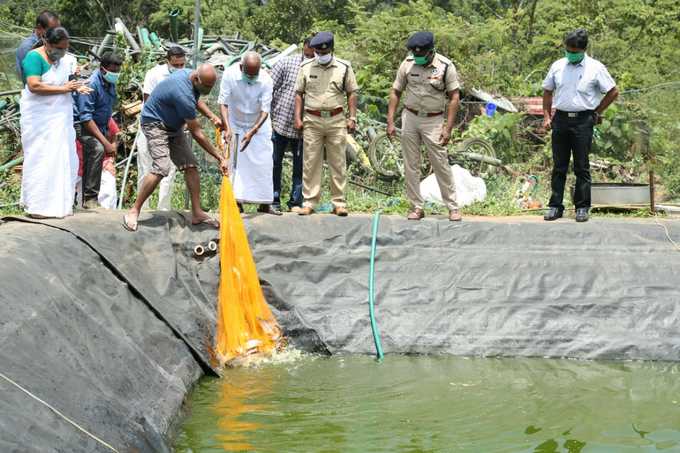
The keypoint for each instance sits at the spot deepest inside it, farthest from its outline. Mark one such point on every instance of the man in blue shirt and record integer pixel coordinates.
(44, 21)
(94, 111)
(172, 104)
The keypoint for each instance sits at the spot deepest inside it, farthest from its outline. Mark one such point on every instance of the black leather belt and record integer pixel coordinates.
(580, 114)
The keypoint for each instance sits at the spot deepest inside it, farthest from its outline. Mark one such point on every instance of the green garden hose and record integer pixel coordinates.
(371, 288)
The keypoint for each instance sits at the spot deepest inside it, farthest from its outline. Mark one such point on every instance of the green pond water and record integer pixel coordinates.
(436, 404)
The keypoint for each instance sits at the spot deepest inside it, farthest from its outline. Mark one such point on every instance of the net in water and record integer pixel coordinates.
(245, 324)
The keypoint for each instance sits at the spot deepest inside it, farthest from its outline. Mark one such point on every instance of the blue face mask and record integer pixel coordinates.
(112, 77)
(250, 80)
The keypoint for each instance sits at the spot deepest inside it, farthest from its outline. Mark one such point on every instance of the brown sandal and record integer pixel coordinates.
(340, 211)
(306, 211)
(454, 215)
(416, 214)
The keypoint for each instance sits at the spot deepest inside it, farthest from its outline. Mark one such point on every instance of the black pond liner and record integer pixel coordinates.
(113, 328)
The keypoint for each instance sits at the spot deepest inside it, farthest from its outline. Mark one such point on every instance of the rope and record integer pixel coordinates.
(670, 84)
(58, 413)
(668, 234)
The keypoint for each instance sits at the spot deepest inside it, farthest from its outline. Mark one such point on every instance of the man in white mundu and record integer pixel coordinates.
(245, 99)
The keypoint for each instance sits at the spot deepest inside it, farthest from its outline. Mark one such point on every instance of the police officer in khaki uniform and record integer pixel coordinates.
(430, 82)
(321, 88)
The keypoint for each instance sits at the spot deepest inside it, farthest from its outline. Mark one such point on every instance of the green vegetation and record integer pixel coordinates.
(501, 46)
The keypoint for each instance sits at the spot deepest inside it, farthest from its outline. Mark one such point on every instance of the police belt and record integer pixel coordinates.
(580, 114)
(423, 114)
(325, 113)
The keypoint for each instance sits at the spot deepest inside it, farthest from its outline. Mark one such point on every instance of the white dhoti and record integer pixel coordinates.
(50, 167)
(144, 163)
(252, 169)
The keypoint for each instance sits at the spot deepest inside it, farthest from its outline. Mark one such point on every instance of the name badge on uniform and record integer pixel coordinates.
(434, 74)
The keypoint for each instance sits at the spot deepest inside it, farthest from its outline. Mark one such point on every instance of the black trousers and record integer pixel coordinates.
(93, 158)
(571, 135)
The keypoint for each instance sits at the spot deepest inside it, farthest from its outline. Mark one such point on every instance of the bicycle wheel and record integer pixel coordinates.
(385, 157)
(351, 150)
(356, 154)
(479, 156)
(466, 112)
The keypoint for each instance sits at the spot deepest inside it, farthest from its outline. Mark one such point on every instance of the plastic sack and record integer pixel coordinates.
(245, 324)
(469, 189)
(108, 196)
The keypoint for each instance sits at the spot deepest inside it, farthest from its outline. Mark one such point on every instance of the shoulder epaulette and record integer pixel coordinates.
(343, 62)
(444, 59)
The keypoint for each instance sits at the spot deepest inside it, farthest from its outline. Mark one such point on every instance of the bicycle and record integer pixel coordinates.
(475, 154)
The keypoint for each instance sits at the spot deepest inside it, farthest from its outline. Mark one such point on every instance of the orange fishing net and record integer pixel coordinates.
(245, 325)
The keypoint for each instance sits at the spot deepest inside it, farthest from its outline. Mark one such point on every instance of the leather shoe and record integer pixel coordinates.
(416, 214)
(454, 215)
(340, 211)
(306, 211)
(553, 214)
(90, 204)
(582, 215)
(269, 209)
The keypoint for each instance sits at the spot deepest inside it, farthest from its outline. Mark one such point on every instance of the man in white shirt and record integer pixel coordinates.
(580, 89)
(176, 59)
(245, 101)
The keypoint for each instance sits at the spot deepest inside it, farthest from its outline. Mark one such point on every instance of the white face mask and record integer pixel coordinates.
(323, 59)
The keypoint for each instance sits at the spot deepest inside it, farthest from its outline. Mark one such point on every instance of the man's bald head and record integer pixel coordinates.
(251, 63)
(207, 74)
(204, 78)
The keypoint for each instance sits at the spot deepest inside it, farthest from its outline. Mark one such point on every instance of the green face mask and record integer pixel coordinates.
(574, 57)
(421, 61)
(250, 80)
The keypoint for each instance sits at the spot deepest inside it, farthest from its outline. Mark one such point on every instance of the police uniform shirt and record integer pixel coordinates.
(325, 86)
(426, 87)
(578, 87)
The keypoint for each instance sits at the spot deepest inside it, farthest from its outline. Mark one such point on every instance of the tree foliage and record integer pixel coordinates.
(502, 46)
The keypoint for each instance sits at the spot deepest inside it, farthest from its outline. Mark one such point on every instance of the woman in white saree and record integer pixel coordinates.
(48, 139)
